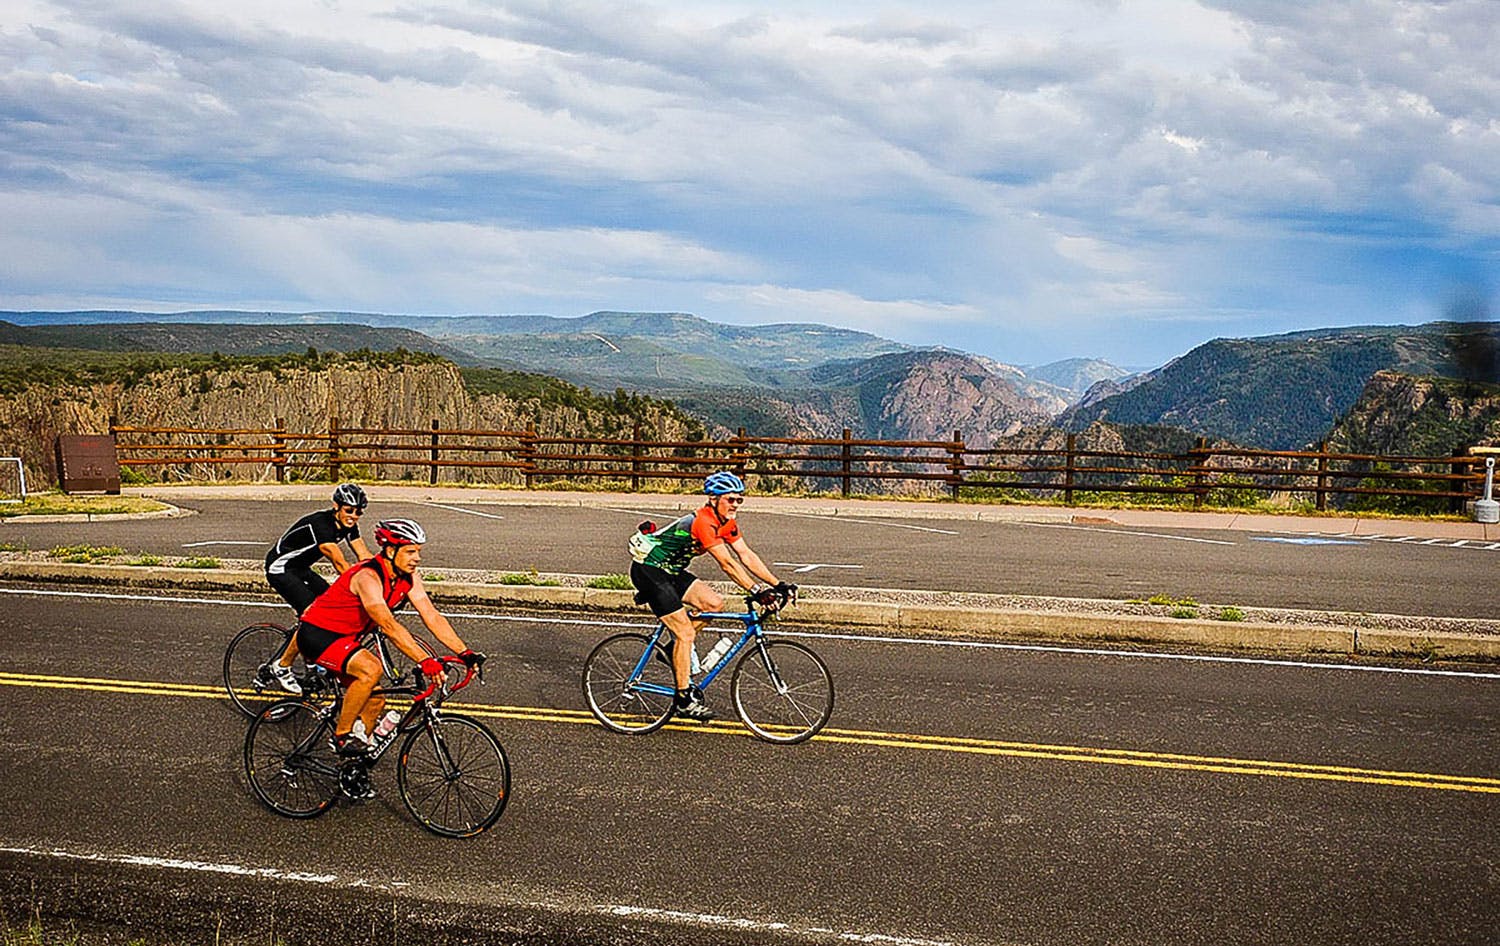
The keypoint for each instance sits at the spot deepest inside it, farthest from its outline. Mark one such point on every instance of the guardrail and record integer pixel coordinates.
(525, 457)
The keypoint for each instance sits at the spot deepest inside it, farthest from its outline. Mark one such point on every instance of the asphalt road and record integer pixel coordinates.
(1376, 575)
(962, 794)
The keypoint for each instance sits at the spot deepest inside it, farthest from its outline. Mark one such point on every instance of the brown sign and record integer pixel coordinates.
(87, 463)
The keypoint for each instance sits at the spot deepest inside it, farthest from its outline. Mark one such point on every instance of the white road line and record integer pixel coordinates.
(607, 910)
(471, 512)
(813, 635)
(143, 860)
(801, 567)
(766, 926)
(1149, 535)
(198, 545)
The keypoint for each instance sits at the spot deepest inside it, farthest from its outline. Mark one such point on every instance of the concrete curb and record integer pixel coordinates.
(882, 618)
(171, 512)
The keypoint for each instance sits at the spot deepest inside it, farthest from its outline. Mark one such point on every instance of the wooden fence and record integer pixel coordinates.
(1209, 475)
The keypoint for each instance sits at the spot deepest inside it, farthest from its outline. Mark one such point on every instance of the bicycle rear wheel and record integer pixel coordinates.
(290, 761)
(622, 699)
(453, 776)
(782, 691)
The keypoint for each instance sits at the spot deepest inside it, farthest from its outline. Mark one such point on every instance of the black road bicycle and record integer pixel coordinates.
(451, 771)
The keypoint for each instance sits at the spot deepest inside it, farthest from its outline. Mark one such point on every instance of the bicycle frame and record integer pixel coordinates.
(753, 631)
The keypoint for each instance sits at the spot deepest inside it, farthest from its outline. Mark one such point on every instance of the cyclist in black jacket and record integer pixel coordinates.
(289, 563)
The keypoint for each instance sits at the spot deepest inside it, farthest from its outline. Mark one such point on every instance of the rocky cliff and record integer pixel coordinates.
(357, 394)
(1403, 415)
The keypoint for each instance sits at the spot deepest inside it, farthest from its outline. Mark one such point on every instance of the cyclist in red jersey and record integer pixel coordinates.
(663, 582)
(363, 598)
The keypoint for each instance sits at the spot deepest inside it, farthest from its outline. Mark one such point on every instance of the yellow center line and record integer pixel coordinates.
(931, 743)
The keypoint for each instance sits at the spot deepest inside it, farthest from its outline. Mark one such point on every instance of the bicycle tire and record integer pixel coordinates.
(248, 652)
(290, 761)
(610, 692)
(793, 712)
(453, 776)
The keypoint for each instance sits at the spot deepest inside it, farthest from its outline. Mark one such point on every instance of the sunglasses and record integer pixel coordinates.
(733, 500)
(351, 511)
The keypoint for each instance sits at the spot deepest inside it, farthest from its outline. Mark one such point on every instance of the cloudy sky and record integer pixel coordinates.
(1027, 180)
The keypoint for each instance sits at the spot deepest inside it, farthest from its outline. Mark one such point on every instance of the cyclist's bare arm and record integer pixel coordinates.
(752, 562)
(362, 552)
(334, 554)
(731, 565)
(434, 621)
(369, 589)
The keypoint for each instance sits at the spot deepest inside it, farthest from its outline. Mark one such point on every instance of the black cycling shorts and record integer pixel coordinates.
(661, 590)
(299, 588)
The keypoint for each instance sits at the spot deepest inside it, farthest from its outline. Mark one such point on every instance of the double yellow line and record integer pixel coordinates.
(911, 741)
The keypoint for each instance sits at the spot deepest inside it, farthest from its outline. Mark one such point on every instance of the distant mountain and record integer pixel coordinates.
(1285, 391)
(913, 395)
(228, 339)
(604, 348)
(1076, 375)
(1401, 415)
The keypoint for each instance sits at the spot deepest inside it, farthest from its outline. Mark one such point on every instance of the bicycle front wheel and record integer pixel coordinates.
(782, 691)
(290, 761)
(246, 661)
(453, 776)
(623, 699)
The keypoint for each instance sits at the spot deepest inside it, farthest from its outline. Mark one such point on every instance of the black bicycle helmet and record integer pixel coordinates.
(351, 495)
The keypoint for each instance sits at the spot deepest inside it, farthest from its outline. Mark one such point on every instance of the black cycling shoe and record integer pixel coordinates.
(690, 705)
(349, 746)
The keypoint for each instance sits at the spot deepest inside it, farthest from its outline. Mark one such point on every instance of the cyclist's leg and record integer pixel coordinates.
(364, 672)
(298, 589)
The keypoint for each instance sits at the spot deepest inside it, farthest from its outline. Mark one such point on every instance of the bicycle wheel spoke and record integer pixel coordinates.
(617, 696)
(289, 764)
(784, 694)
(453, 776)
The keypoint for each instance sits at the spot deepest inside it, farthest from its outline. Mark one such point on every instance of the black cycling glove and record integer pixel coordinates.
(472, 659)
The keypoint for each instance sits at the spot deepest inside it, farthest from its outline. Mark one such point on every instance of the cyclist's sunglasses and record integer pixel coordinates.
(353, 511)
(733, 500)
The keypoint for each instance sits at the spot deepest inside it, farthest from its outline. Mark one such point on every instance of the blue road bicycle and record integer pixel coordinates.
(781, 690)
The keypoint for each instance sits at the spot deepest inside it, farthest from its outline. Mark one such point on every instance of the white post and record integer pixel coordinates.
(1486, 509)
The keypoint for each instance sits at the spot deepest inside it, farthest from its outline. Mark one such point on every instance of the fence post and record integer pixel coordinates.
(741, 459)
(846, 463)
(1458, 467)
(528, 454)
(1068, 446)
(635, 457)
(1200, 492)
(1322, 501)
(956, 464)
(278, 450)
(333, 448)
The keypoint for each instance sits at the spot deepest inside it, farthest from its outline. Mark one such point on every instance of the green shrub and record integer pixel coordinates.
(525, 578)
(615, 582)
(145, 560)
(84, 554)
(1183, 612)
(199, 562)
(1231, 614)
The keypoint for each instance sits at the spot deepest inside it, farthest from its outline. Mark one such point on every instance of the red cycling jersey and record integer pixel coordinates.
(339, 610)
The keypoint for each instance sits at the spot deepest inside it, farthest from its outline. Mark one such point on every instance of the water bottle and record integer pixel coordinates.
(713, 657)
(387, 726)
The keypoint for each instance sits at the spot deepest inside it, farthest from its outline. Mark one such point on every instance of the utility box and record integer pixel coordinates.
(87, 463)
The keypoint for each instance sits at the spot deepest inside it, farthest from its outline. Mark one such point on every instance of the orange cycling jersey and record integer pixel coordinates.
(673, 547)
